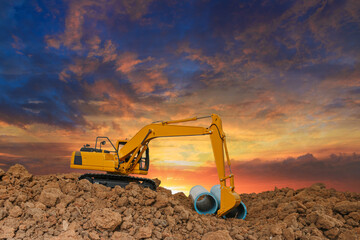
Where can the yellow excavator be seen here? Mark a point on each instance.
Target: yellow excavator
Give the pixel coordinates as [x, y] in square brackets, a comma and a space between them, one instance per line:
[132, 157]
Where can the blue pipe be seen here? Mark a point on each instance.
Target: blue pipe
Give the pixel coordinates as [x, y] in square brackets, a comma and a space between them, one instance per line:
[204, 201]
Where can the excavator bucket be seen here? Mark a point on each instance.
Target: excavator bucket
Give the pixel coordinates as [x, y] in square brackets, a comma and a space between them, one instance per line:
[228, 201]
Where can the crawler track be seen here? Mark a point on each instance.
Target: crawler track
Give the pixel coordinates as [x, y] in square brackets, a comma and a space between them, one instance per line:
[112, 180]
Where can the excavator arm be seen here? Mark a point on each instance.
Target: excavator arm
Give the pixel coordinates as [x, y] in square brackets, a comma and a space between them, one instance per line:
[229, 198]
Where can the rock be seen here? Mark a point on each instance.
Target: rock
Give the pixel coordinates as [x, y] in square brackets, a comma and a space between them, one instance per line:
[189, 226]
[169, 211]
[118, 190]
[123, 201]
[6, 232]
[317, 186]
[346, 207]
[149, 202]
[157, 182]
[2, 173]
[122, 236]
[85, 185]
[132, 186]
[355, 216]
[291, 220]
[100, 188]
[36, 213]
[312, 217]
[290, 193]
[288, 234]
[40, 206]
[348, 235]
[171, 221]
[184, 215]
[105, 219]
[276, 229]
[52, 185]
[326, 222]
[148, 193]
[69, 235]
[15, 212]
[316, 238]
[4, 194]
[218, 235]
[143, 232]
[65, 225]
[332, 233]
[126, 225]
[95, 236]
[50, 196]
[3, 213]
[161, 201]
[20, 172]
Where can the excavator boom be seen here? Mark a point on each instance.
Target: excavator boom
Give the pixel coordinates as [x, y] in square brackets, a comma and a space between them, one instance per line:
[128, 156]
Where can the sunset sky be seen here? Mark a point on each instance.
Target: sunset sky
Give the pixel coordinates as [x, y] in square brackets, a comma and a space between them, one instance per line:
[283, 75]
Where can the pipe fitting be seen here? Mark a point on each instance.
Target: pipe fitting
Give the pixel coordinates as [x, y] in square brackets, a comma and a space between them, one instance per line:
[204, 201]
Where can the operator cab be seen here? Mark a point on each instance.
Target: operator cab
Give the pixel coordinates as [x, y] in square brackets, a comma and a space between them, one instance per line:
[145, 158]
[87, 148]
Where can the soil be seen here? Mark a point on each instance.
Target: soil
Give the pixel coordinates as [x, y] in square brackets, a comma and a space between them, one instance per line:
[62, 207]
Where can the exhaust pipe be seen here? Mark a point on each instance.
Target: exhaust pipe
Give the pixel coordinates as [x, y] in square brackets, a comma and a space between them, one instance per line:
[239, 212]
[204, 201]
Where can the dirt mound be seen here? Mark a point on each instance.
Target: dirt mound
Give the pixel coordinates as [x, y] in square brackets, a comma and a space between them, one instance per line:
[61, 207]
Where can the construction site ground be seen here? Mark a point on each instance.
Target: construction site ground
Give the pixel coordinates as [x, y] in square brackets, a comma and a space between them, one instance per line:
[62, 207]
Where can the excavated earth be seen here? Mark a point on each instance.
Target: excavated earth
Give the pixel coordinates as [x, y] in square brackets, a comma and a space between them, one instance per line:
[62, 207]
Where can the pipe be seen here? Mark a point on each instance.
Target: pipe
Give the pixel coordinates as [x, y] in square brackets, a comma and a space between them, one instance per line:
[239, 212]
[204, 201]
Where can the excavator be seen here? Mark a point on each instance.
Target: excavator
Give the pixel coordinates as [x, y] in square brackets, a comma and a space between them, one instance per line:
[132, 157]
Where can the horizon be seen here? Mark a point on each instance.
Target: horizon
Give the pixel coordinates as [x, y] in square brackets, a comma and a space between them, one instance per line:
[295, 182]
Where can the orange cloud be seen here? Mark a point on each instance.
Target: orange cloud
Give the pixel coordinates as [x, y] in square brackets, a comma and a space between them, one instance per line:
[197, 55]
[338, 171]
[82, 67]
[18, 43]
[146, 80]
[127, 61]
[94, 11]
[108, 53]
[52, 42]
[118, 100]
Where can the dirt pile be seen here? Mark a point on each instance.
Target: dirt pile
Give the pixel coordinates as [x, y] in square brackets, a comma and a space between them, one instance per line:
[61, 207]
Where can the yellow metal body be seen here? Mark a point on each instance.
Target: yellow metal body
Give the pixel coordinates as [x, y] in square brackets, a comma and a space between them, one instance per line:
[126, 159]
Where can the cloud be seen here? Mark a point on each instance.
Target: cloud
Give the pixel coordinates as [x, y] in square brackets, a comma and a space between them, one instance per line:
[127, 61]
[17, 44]
[78, 35]
[149, 79]
[39, 158]
[336, 170]
[24, 112]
